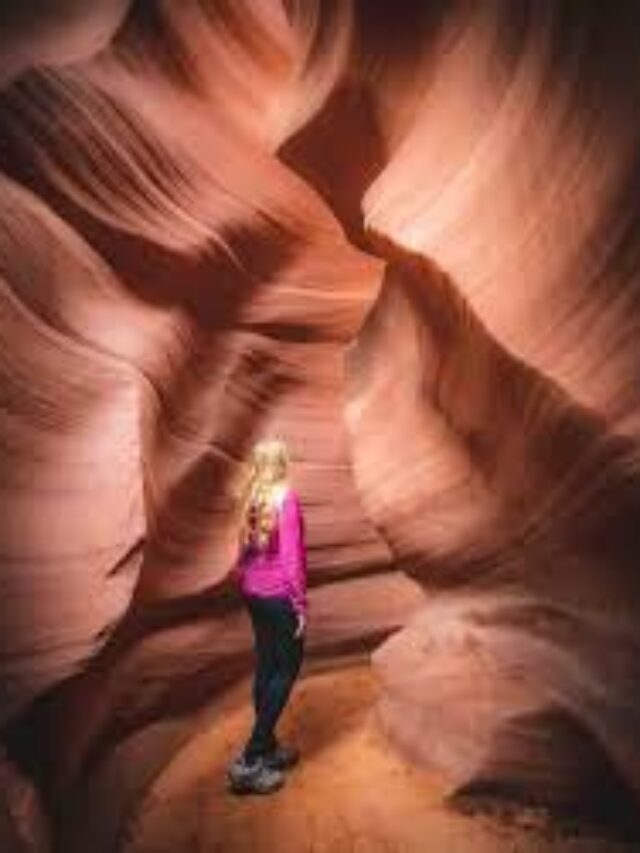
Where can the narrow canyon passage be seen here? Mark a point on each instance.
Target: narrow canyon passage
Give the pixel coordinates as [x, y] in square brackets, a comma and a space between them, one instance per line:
[404, 236]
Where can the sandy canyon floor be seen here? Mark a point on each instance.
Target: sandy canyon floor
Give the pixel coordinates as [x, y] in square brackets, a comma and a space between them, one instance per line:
[351, 793]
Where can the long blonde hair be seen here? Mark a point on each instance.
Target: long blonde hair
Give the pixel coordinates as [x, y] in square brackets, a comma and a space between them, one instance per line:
[267, 481]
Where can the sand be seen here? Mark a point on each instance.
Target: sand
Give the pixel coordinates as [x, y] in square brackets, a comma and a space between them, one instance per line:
[351, 793]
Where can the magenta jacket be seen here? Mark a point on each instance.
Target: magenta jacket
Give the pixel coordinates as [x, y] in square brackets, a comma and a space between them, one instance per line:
[280, 569]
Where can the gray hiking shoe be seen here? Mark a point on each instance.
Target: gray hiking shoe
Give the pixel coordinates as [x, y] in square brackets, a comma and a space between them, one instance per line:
[254, 778]
[282, 757]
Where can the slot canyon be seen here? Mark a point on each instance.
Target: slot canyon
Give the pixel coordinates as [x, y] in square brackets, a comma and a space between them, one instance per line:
[402, 235]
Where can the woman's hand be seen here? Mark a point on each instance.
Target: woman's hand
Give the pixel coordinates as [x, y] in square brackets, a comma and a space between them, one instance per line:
[302, 623]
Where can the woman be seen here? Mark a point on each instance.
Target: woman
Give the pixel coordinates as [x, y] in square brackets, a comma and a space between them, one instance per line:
[271, 574]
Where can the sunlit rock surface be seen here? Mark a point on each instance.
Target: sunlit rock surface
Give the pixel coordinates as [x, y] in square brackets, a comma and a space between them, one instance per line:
[405, 237]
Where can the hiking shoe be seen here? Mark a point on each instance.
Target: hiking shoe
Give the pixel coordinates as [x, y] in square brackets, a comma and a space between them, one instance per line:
[253, 777]
[282, 757]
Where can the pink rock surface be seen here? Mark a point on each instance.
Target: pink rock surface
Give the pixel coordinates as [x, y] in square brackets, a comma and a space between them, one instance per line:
[403, 236]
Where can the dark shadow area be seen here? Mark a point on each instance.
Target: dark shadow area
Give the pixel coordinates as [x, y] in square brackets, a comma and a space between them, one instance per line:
[599, 803]
[339, 153]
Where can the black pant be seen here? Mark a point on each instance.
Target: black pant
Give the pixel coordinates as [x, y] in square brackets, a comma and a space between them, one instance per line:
[279, 658]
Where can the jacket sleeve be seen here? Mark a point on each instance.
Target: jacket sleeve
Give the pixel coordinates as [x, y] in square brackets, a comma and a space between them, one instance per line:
[292, 551]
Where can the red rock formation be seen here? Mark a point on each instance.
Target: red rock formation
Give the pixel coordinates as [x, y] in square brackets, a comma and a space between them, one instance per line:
[198, 203]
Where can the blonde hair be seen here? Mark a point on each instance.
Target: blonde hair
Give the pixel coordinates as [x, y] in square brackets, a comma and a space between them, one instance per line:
[269, 468]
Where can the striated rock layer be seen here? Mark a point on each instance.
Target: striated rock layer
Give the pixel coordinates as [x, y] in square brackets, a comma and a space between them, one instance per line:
[402, 235]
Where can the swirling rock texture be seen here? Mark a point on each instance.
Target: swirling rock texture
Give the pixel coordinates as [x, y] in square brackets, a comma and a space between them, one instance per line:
[404, 235]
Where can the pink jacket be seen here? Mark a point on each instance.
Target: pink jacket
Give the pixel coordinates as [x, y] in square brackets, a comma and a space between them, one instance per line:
[280, 569]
